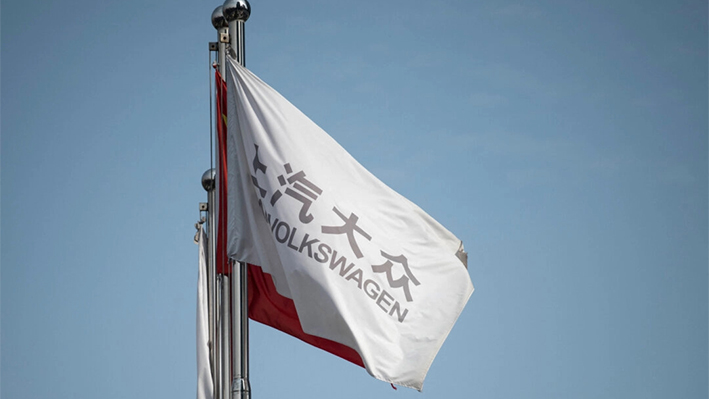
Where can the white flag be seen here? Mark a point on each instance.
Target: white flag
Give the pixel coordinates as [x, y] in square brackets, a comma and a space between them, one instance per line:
[365, 268]
[204, 374]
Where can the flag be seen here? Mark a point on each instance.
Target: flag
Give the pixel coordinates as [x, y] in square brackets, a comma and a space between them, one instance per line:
[204, 374]
[221, 178]
[337, 258]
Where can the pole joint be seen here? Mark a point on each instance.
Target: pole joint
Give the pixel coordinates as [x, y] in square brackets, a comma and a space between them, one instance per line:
[240, 388]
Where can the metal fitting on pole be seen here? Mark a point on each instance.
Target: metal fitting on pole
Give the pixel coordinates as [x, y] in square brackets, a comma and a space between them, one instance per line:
[208, 180]
[222, 26]
[236, 13]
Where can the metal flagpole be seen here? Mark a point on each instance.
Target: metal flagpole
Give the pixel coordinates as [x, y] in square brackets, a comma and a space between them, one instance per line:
[222, 370]
[236, 13]
[219, 312]
[225, 335]
[208, 183]
[222, 27]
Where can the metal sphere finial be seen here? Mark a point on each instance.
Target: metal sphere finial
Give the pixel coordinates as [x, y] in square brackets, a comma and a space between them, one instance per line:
[236, 10]
[208, 179]
[218, 20]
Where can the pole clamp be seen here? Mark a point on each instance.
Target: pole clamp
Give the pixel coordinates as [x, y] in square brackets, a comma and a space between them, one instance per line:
[224, 36]
[240, 388]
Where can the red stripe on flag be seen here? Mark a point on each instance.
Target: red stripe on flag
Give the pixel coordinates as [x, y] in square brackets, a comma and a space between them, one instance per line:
[222, 259]
[269, 307]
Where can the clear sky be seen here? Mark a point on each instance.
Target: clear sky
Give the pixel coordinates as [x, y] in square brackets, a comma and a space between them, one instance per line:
[564, 142]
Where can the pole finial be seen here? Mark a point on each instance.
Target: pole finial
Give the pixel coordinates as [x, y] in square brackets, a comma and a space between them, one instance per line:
[218, 20]
[236, 10]
[208, 179]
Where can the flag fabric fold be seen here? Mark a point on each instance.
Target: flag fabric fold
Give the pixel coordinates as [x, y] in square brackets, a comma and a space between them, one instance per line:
[343, 261]
[205, 389]
[221, 177]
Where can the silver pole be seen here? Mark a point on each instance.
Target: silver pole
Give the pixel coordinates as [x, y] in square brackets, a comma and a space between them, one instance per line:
[208, 183]
[218, 337]
[236, 12]
[222, 27]
[222, 337]
[240, 385]
[226, 337]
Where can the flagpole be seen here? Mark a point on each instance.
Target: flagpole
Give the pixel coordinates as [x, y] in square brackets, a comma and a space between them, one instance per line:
[222, 26]
[222, 337]
[208, 183]
[236, 12]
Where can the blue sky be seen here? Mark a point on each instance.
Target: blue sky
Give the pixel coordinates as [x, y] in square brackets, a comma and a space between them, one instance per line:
[564, 142]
